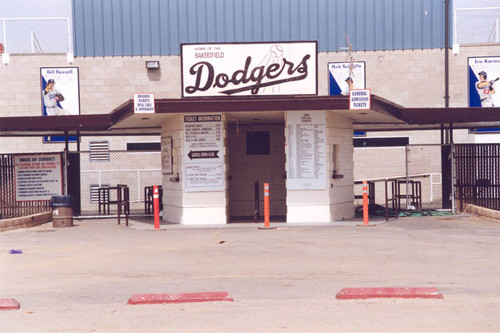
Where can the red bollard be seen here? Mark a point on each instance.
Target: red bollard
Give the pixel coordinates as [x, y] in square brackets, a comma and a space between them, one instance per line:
[156, 206]
[365, 206]
[266, 205]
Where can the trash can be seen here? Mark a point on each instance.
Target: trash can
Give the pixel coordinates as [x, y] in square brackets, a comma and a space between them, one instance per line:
[62, 210]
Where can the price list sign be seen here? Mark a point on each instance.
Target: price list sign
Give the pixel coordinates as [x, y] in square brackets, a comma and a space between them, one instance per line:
[203, 152]
[306, 154]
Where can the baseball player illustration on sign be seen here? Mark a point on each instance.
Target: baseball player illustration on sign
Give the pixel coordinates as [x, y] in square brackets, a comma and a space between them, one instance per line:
[51, 99]
[350, 83]
[485, 89]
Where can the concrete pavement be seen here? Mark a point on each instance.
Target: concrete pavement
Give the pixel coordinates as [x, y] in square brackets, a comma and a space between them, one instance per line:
[79, 279]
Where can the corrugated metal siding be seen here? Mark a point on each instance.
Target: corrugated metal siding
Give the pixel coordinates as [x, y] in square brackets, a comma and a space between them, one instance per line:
[158, 27]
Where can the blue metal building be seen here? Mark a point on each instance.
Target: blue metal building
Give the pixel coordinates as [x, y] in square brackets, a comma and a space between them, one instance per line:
[158, 27]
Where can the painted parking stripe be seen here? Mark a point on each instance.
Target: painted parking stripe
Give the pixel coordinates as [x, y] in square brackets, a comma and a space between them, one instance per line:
[364, 293]
[9, 304]
[180, 298]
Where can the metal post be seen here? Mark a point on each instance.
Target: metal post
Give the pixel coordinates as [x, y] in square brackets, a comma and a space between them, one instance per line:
[452, 156]
[407, 178]
[5, 50]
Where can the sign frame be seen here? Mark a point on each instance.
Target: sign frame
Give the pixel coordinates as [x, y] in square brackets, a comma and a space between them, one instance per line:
[274, 51]
[489, 64]
[167, 157]
[338, 73]
[144, 103]
[318, 162]
[26, 167]
[68, 83]
[203, 152]
[355, 94]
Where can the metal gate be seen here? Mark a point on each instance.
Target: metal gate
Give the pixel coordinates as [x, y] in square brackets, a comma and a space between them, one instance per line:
[9, 206]
[478, 175]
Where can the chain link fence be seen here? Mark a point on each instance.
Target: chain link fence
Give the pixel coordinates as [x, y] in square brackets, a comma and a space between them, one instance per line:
[136, 170]
[428, 171]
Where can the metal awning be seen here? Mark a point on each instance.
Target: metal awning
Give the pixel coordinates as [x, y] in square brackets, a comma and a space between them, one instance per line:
[383, 116]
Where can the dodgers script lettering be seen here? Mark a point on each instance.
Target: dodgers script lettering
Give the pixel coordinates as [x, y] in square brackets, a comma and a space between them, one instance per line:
[247, 78]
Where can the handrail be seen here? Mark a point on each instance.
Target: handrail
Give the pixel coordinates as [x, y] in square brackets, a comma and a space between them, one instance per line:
[5, 55]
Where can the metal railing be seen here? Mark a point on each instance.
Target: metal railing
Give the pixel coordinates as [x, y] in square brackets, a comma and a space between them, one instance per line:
[35, 45]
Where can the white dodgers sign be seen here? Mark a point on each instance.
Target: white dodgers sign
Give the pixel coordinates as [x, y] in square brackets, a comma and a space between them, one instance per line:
[249, 69]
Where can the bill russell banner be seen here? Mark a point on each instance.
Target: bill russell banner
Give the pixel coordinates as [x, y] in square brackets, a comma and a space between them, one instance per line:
[249, 69]
[484, 82]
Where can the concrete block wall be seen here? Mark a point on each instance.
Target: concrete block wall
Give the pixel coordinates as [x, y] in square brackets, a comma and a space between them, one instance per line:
[341, 191]
[189, 208]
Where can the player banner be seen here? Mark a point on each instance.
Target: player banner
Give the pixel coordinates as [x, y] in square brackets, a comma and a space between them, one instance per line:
[484, 74]
[341, 78]
[60, 95]
[60, 92]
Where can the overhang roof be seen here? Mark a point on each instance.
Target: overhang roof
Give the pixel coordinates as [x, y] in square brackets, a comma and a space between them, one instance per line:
[383, 116]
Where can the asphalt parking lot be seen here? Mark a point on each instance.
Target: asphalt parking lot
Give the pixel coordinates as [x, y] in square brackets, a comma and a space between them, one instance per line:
[79, 279]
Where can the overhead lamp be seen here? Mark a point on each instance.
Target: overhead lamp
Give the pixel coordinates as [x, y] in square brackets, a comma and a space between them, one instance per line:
[153, 64]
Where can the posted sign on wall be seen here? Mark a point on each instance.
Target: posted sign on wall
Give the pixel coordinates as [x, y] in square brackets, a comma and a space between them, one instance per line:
[203, 152]
[38, 177]
[306, 154]
[253, 69]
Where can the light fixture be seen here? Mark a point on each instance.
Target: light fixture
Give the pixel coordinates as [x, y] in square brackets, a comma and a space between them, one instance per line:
[153, 64]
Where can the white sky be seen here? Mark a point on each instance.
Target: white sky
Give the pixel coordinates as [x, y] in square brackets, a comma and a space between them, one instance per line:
[473, 27]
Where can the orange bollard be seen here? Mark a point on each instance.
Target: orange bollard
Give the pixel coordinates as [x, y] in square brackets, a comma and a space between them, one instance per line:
[266, 205]
[365, 202]
[156, 206]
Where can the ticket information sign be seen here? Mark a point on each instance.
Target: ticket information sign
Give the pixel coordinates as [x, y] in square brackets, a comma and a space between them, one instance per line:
[38, 177]
[306, 150]
[203, 152]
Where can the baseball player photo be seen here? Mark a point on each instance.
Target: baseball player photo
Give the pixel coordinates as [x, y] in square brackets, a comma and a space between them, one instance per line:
[484, 72]
[349, 84]
[52, 99]
[485, 89]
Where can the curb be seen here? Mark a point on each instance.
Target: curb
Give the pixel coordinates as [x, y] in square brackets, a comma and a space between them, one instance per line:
[9, 304]
[179, 298]
[28, 221]
[365, 293]
[481, 211]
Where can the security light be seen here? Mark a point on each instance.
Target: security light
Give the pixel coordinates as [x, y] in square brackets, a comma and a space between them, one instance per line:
[152, 64]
